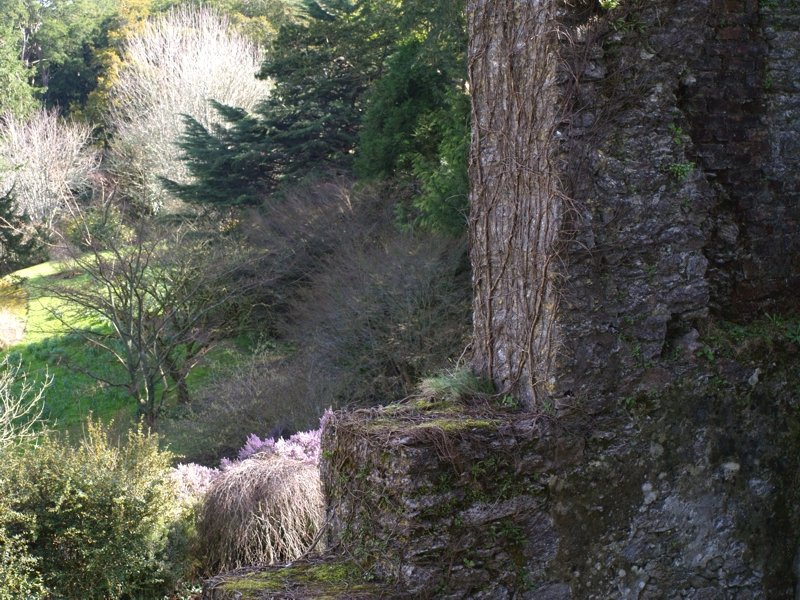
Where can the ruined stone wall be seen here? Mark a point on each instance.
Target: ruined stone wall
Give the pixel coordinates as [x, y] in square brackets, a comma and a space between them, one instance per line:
[689, 492]
[740, 96]
[681, 158]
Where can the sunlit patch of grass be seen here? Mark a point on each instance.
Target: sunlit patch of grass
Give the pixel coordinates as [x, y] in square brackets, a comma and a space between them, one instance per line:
[13, 305]
[49, 347]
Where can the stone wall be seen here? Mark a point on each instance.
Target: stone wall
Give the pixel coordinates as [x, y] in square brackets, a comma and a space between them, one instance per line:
[688, 492]
[680, 155]
[740, 95]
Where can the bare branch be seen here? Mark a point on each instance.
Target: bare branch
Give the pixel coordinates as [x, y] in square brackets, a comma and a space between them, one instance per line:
[155, 303]
[173, 67]
[21, 404]
[47, 161]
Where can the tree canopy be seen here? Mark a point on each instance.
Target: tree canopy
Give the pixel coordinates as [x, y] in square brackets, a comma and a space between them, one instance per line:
[365, 85]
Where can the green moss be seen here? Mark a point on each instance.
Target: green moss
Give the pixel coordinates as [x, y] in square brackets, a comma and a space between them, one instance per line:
[422, 405]
[318, 580]
[456, 424]
[413, 421]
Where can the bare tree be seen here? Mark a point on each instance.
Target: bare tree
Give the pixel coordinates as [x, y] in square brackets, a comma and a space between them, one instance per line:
[47, 161]
[173, 67]
[156, 301]
[21, 404]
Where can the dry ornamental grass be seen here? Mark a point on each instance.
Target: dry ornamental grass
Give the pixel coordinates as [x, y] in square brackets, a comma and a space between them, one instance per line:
[260, 511]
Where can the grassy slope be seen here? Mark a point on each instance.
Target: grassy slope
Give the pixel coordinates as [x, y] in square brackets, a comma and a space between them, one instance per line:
[48, 350]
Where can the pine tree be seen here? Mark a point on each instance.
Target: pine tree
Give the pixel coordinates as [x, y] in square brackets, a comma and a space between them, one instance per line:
[230, 164]
[20, 243]
[321, 69]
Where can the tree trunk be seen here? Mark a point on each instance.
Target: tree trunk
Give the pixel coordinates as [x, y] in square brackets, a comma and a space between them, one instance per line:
[178, 375]
[515, 205]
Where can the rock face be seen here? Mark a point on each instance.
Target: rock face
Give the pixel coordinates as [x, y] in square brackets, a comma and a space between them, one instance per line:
[443, 497]
[680, 156]
[688, 492]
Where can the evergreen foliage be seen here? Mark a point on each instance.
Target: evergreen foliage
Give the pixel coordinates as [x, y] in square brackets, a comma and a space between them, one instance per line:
[411, 87]
[19, 577]
[20, 242]
[101, 516]
[443, 202]
[383, 82]
[58, 40]
[321, 68]
[416, 124]
[230, 163]
[16, 92]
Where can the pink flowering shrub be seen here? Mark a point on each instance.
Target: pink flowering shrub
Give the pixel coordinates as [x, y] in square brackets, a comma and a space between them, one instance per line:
[192, 481]
[303, 446]
[254, 445]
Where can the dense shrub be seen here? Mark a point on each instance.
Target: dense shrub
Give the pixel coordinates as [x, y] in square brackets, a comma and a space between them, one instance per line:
[89, 228]
[411, 88]
[442, 203]
[366, 311]
[104, 516]
[19, 574]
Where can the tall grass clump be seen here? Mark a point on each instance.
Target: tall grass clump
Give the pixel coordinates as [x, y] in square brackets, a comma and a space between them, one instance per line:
[454, 385]
[104, 517]
[260, 511]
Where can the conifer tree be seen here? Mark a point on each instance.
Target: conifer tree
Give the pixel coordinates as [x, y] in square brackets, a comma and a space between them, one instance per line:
[20, 242]
[230, 163]
[321, 68]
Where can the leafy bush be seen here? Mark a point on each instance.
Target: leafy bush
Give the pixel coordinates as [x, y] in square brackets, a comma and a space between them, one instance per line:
[88, 229]
[19, 575]
[105, 516]
[442, 204]
[412, 87]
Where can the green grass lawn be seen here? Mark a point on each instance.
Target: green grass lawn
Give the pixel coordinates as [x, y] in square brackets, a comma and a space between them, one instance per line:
[48, 350]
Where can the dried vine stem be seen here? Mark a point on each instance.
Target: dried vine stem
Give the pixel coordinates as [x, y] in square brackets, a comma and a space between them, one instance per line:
[517, 209]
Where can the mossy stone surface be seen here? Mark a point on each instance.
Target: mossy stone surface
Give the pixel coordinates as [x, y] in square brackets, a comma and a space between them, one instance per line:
[321, 579]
